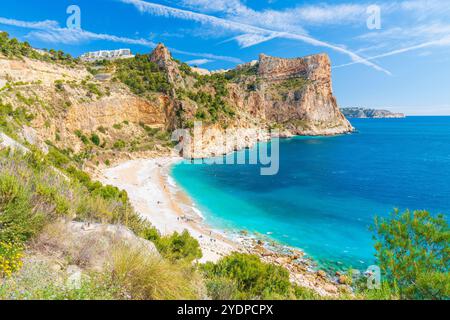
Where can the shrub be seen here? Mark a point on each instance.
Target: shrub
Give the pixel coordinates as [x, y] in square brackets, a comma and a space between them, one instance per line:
[95, 139]
[10, 258]
[119, 144]
[253, 278]
[412, 249]
[178, 247]
[19, 219]
[101, 129]
[92, 88]
[59, 85]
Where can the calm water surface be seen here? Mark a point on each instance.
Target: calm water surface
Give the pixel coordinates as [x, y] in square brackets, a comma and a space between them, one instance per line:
[329, 189]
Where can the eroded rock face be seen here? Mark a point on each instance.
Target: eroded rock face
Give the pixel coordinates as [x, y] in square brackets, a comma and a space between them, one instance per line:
[315, 67]
[163, 58]
[298, 93]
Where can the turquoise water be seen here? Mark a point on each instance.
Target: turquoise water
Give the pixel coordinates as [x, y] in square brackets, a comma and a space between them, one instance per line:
[329, 189]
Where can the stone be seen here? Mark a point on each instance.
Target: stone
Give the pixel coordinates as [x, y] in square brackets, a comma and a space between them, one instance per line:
[343, 279]
[321, 274]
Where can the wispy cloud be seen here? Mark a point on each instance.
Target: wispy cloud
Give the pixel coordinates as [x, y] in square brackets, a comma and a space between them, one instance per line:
[199, 62]
[247, 29]
[47, 24]
[74, 36]
[50, 31]
[445, 41]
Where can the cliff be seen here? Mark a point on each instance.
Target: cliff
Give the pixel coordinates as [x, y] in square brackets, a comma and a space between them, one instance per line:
[370, 113]
[307, 105]
[132, 108]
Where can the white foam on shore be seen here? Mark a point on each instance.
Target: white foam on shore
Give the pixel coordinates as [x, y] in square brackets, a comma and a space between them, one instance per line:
[198, 212]
[171, 181]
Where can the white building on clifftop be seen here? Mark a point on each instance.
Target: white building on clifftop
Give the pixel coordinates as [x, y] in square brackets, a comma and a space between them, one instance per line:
[106, 55]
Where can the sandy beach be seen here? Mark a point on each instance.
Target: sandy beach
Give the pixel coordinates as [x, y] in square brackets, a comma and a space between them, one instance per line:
[156, 197]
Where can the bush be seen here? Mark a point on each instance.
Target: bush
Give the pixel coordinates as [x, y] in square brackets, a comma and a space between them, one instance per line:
[178, 247]
[95, 139]
[413, 253]
[20, 219]
[253, 279]
[119, 144]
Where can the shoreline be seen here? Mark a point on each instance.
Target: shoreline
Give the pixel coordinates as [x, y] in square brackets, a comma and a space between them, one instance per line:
[157, 198]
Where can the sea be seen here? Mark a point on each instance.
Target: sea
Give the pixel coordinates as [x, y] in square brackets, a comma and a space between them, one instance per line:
[329, 189]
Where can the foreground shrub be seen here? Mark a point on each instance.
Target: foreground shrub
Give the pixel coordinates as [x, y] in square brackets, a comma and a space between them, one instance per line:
[413, 251]
[251, 278]
[19, 219]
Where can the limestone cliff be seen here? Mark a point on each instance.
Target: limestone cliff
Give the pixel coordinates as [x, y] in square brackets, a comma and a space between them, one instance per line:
[130, 113]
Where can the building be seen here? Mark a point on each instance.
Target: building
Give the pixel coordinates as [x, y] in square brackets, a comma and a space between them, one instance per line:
[106, 55]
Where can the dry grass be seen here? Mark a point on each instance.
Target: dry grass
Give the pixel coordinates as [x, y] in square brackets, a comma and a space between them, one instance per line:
[147, 277]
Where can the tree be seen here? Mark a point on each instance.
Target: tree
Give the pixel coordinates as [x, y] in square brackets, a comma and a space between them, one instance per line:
[251, 278]
[179, 247]
[413, 253]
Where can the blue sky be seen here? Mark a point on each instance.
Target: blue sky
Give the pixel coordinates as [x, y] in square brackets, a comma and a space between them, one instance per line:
[404, 65]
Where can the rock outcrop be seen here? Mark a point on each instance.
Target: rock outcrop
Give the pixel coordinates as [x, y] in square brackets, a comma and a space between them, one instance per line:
[307, 105]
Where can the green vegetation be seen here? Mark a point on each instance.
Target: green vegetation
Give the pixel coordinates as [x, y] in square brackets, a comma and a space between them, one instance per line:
[244, 276]
[117, 126]
[413, 250]
[119, 144]
[178, 247]
[10, 258]
[82, 137]
[95, 139]
[239, 73]
[210, 96]
[93, 89]
[283, 88]
[12, 48]
[141, 75]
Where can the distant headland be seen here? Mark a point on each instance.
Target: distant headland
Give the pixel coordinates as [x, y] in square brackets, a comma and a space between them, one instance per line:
[370, 113]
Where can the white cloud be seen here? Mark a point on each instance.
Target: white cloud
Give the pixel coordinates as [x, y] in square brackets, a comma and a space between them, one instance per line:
[445, 41]
[170, 12]
[199, 62]
[49, 31]
[47, 24]
[73, 36]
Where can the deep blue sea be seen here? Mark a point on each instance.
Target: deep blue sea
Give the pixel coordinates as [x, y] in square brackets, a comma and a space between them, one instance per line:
[329, 189]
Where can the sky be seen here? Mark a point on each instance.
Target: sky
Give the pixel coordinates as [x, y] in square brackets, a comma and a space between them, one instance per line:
[385, 54]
